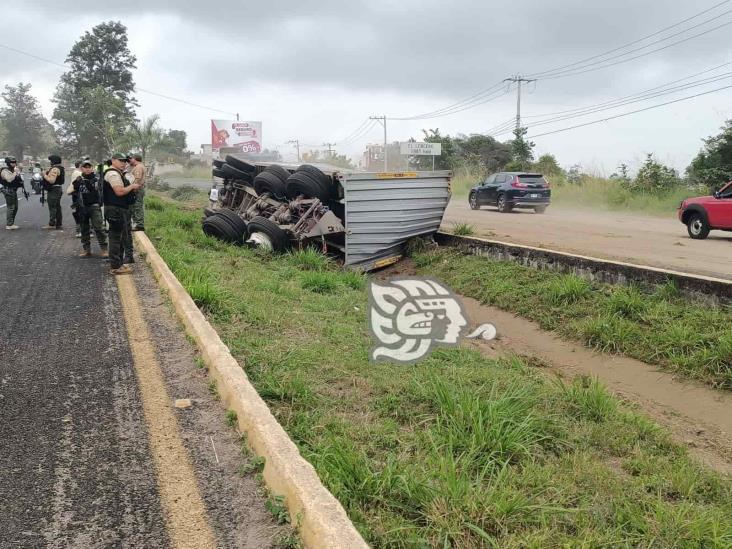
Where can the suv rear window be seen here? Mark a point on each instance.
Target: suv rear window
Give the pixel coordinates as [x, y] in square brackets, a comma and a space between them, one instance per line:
[533, 179]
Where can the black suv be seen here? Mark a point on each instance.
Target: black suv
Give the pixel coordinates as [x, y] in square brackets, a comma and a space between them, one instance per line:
[509, 190]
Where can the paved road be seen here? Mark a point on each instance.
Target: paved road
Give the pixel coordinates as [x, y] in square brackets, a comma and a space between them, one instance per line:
[654, 241]
[75, 464]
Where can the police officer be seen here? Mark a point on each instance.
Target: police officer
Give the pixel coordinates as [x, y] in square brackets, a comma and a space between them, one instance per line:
[86, 193]
[137, 210]
[53, 180]
[116, 196]
[11, 181]
[75, 206]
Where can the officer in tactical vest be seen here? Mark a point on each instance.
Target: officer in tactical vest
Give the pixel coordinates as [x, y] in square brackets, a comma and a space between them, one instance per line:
[117, 196]
[53, 180]
[11, 181]
[87, 196]
[75, 206]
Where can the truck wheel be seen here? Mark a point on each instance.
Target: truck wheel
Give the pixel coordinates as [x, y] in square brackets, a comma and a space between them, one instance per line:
[539, 209]
[218, 227]
[697, 226]
[268, 182]
[503, 205]
[218, 172]
[236, 222]
[301, 183]
[239, 164]
[235, 173]
[267, 235]
[316, 174]
[279, 171]
[473, 201]
[218, 163]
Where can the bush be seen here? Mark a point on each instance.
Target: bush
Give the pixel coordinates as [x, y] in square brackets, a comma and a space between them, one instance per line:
[183, 193]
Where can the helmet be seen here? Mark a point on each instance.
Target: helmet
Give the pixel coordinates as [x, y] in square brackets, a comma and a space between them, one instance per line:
[10, 160]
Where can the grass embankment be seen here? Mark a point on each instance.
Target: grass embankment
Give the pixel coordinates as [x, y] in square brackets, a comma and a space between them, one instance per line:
[594, 193]
[191, 172]
[659, 328]
[457, 451]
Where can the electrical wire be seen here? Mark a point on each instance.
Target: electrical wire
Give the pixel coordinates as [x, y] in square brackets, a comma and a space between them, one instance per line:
[482, 101]
[634, 42]
[630, 113]
[433, 114]
[143, 90]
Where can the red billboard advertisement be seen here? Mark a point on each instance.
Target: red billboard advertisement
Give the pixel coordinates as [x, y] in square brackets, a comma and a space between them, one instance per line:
[245, 136]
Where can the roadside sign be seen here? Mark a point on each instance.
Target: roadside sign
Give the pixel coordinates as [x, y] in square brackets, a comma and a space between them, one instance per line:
[412, 148]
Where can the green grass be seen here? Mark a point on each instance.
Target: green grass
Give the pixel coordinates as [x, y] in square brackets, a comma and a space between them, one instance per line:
[657, 327]
[184, 192]
[463, 229]
[458, 450]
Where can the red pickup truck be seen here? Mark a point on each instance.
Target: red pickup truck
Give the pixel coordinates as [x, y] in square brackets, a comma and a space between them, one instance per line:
[704, 213]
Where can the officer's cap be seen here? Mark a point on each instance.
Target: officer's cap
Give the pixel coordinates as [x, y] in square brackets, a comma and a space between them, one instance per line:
[86, 162]
[119, 156]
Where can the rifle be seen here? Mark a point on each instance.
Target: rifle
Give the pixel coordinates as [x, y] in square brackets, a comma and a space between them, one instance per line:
[43, 196]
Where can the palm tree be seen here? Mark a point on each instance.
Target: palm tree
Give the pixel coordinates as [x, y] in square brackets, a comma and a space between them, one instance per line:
[145, 134]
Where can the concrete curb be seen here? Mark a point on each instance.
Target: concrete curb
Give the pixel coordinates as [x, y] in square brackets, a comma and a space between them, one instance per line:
[705, 289]
[322, 520]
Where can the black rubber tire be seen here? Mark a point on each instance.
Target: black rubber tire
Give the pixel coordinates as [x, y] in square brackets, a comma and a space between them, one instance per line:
[473, 201]
[267, 182]
[239, 164]
[316, 174]
[218, 172]
[235, 174]
[219, 227]
[234, 220]
[539, 209]
[280, 241]
[208, 212]
[218, 163]
[697, 226]
[302, 183]
[503, 206]
[279, 171]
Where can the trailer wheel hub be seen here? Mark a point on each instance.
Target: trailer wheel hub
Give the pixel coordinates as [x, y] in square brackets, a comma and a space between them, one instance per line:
[260, 240]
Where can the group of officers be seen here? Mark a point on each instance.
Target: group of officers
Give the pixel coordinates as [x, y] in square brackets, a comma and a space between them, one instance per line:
[112, 192]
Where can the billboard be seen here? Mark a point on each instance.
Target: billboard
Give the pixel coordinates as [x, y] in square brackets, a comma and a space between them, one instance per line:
[245, 136]
[413, 148]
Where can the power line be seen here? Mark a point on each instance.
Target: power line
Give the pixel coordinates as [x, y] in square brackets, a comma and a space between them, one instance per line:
[143, 90]
[631, 112]
[624, 46]
[591, 68]
[473, 98]
[360, 134]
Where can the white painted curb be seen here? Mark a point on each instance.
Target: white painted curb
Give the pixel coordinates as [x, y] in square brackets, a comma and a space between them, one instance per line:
[322, 520]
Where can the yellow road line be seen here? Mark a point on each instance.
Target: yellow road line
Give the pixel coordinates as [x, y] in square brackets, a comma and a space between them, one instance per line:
[185, 513]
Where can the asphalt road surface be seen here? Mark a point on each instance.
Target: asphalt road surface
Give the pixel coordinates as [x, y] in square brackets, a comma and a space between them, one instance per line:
[635, 238]
[76, 468]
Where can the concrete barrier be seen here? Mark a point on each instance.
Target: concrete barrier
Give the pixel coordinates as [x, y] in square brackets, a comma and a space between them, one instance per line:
[700, 288]
[322, 521]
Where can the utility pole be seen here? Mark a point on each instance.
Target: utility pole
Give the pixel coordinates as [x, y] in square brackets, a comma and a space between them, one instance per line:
[382, 120]
[518, 79]
[330, 149]
[295, 142]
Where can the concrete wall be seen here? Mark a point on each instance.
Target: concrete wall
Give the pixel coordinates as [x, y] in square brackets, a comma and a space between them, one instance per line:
[699, 288]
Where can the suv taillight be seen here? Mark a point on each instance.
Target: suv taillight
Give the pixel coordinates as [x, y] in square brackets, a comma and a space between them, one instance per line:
[516, 183]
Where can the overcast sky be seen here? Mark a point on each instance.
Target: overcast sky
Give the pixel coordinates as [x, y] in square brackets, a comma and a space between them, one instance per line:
[315, 72]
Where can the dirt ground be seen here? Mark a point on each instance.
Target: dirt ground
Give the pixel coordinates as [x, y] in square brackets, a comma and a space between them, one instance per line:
[645, 240]
[697, 416]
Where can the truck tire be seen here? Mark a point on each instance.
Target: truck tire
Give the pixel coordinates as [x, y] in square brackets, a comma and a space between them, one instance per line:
[235, 174]
[539, 209]
[697, 226]
[217, 227]
[275, 237]
[239, 164]
[316, 174]
[279, 171]
[208, 212]
[236, 222]
[218, 163]
[473, 201]
[268, 182]
[300, 183]
[218, 172]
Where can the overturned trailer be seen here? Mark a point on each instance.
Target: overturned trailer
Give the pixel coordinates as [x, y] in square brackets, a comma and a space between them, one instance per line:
[367, 218]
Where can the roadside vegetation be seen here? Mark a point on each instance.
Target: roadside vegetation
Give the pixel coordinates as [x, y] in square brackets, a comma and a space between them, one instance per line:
[657, 327]
[458, 450]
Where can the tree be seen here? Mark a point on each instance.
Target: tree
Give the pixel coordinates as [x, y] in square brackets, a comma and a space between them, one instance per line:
[24, 126]
[339, 160]
[713, 165]
[94, 99]
[522, 150]
[654, 177]
[145, 135]
[548, 165]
